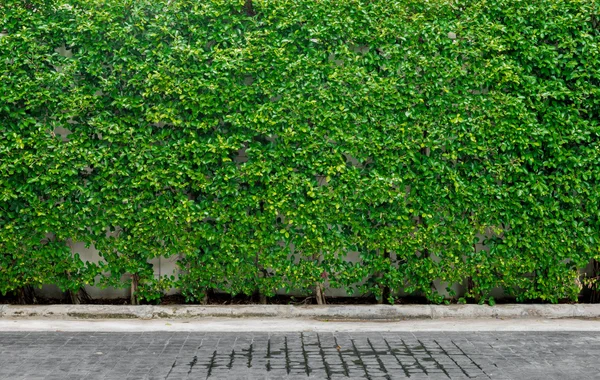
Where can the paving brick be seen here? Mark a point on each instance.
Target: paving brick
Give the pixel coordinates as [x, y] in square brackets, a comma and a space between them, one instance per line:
[291, 356]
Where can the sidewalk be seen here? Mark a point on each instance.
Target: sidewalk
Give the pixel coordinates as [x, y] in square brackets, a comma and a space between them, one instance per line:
[247, 355]
[273, 325]
[459, 342]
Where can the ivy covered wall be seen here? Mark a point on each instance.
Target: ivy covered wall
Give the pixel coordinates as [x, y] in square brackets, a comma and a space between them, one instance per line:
[262, 142]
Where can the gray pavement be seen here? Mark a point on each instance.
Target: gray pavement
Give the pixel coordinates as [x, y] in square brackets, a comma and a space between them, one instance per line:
[330, 355]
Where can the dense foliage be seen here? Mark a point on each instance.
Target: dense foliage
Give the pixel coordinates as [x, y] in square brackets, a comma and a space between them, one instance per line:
[264, 142]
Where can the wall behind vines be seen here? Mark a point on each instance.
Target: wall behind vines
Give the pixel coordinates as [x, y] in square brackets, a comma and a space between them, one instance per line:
[262, 142]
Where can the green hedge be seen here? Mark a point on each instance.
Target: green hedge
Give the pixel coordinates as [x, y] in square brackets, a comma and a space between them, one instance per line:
[264, 141]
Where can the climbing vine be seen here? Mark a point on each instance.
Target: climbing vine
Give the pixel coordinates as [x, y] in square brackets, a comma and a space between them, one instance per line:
[377, 147]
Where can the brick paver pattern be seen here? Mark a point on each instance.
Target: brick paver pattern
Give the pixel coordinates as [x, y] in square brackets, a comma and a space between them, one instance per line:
[308, 355]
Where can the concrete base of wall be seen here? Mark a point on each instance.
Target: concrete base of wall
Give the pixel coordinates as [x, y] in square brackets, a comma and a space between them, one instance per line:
[343, 312]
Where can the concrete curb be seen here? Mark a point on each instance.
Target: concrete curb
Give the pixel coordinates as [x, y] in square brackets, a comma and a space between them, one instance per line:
[337, 312]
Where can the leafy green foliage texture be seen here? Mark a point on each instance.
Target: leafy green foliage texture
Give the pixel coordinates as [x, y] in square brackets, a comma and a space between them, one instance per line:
[364, 145]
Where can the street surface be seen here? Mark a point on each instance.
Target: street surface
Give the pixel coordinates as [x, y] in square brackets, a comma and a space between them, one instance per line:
[171, 355]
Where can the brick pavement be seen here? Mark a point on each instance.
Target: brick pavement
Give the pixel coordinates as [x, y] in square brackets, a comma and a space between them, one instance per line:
[332, 356]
